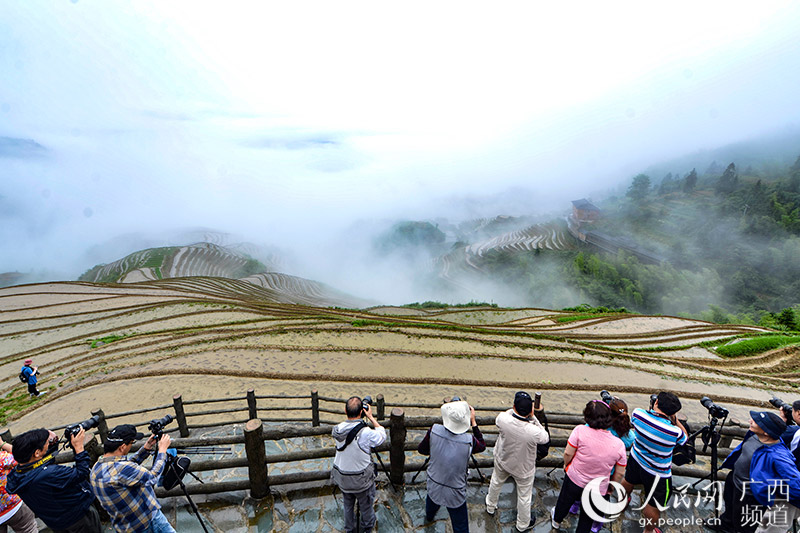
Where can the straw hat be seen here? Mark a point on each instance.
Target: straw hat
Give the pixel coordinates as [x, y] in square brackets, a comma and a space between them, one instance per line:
[456, 416]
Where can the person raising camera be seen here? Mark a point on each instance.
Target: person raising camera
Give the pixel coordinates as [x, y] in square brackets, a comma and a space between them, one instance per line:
[353, 470]
[450, 446]
[59, 495]
[515, 456]
[125, 488]
[657, 432]
[592, 452]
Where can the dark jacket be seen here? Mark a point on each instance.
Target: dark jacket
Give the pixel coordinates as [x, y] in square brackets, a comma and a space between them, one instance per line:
[769, 466]
[59, 495]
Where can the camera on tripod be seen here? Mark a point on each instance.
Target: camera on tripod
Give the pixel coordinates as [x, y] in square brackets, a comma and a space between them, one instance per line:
[156, 426]
[714, 410]
[74, 429]
[785, 407]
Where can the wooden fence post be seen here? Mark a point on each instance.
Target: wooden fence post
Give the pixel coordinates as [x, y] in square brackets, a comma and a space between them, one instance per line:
[102, 426]
[6, 435]
[314, 408]
[397, 454]
[93, 448]
[256, 458]
[180, 415]
[381, 405]
[252, 407]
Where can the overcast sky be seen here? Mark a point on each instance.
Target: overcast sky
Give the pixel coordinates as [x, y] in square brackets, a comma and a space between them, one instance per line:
[282, 121]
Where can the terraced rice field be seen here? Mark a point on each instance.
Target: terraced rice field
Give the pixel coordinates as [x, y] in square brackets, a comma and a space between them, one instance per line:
[208, 337]
[201, 259]
[460, 264]
[551, 236]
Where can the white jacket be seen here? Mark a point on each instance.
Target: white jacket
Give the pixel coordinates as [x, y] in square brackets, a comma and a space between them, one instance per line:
[515, 451]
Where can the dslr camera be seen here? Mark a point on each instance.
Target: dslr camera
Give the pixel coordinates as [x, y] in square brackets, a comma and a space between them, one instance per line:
[606, 397]
[714, 410]
[74, 429]
[156, 426]
[366, 402]
[783, 406]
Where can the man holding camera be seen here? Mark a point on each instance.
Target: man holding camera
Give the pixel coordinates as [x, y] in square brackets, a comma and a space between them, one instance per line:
[59, 495]
[353, 470]
[125, 488]
[31, 373]
[762, 474]
[658, 431]
[515, 456]
[450, 446]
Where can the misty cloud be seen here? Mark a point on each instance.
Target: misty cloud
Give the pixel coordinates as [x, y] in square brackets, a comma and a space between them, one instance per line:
[283, 124]
[298, 142]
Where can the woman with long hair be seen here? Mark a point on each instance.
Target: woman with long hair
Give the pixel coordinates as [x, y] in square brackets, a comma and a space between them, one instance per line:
[592, 452]
[621, 424]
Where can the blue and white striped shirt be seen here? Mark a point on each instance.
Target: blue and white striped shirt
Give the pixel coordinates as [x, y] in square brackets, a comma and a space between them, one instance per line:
[655, 439]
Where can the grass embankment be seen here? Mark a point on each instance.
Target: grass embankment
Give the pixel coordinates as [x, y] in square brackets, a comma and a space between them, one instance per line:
[585, 312]
[757, 345]
[14, 402]
[106, 340]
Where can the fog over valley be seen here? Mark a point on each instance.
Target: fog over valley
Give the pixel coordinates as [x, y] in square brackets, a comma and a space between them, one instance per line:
[427, 152]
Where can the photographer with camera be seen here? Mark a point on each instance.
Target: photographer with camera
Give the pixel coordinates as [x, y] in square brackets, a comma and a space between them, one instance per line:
[353, 470]
[125, 488]
[59, 495]
[760, 466]
[515, 456]
[787, 413]
[657, 432]
[450, 447]
[30, 373]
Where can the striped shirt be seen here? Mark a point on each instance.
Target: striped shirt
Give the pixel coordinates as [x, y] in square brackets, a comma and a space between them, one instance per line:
[126, 490]
[655, 439]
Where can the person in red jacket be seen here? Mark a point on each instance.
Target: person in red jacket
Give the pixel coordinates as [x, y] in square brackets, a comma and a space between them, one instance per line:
[13, 511]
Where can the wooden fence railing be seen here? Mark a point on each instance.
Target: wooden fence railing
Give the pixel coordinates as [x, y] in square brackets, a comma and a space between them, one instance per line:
[255, 434]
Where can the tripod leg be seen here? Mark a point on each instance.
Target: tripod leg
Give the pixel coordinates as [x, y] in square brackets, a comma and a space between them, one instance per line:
[193, 507]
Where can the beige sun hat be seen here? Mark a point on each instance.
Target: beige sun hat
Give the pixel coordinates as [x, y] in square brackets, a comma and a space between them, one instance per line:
[456, 416]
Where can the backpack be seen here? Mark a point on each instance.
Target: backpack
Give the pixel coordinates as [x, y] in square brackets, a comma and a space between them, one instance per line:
[542, 450]
[686, 453]
[23, 377]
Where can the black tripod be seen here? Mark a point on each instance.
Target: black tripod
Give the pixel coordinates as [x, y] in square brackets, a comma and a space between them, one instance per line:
[710, 435]
[173, 475]
[383, 466]
[178, 473]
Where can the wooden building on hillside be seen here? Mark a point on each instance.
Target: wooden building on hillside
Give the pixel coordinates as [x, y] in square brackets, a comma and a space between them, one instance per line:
[584, 211]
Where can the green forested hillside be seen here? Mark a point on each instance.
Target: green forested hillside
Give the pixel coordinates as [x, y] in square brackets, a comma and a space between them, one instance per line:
[730, 240]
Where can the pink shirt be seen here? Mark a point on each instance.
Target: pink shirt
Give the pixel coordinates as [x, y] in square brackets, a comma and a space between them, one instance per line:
[597, 452]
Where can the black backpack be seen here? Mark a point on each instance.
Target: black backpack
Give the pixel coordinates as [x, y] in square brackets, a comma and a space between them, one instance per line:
[542, 450]
[685, 454]
[23, 377]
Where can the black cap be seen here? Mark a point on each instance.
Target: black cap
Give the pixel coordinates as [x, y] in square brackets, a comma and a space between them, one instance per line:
[772, 424]
[124, 433]
[523, 403]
